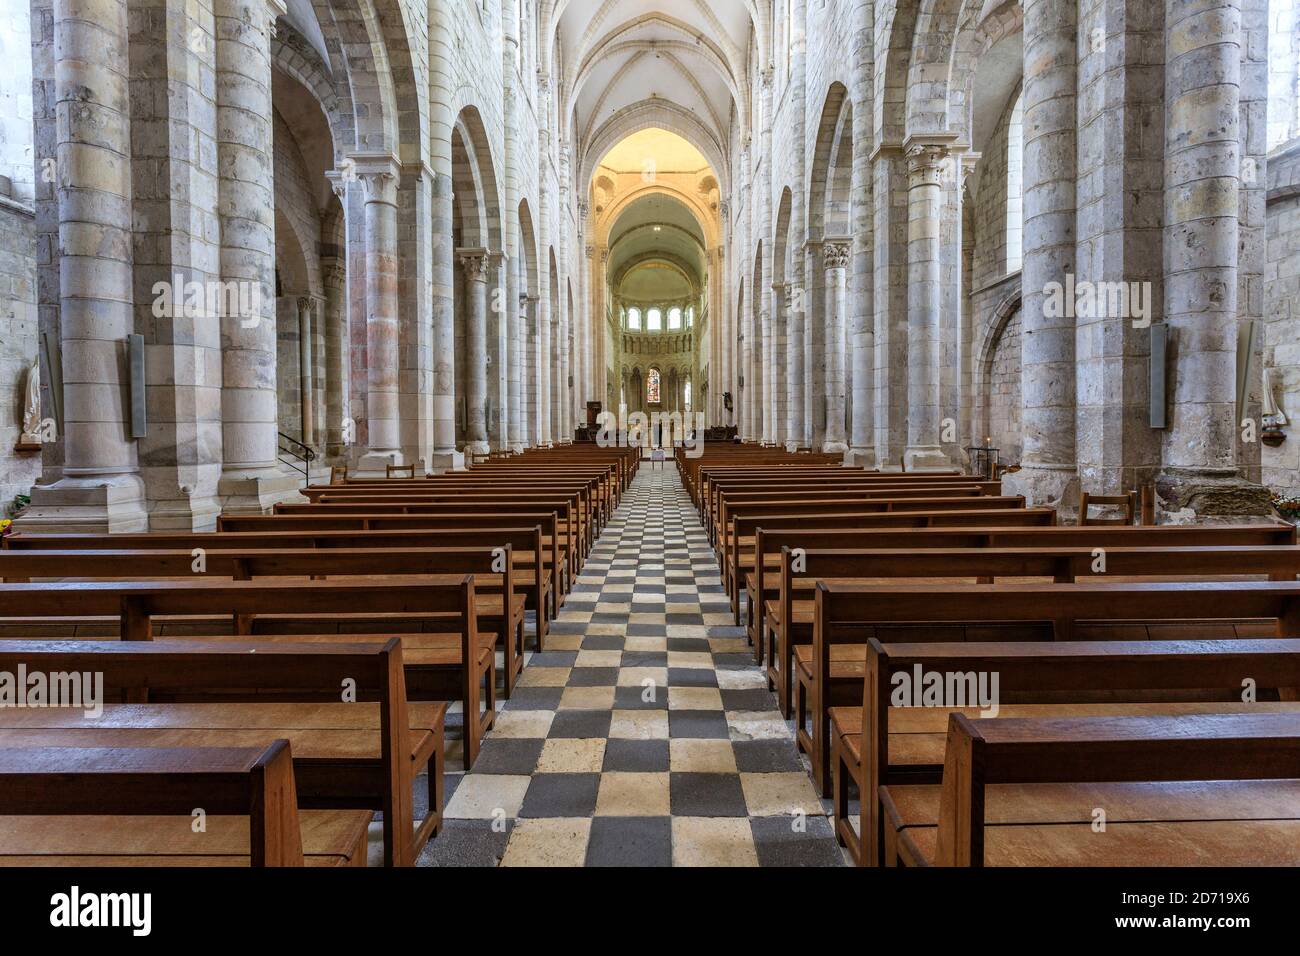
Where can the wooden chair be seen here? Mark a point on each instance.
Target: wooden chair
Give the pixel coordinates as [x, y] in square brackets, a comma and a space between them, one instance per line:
[1126, 501]
[399, 471]
[338, 474]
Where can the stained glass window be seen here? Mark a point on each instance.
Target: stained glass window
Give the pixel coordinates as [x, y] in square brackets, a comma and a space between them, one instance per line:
[652, 387]
[686, 394]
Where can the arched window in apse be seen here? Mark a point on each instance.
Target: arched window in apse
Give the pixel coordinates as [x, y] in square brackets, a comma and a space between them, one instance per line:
[652, 387]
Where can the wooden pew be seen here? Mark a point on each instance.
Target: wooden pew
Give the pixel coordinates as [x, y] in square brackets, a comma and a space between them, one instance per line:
[135, 805]
[555, 557]
[788, 619]
[886, 741]
[498, 506]
[812, 534]
[739, 557]
[847, 615]
[440, 665]
[988, 763]
[493, 610]
[370, 768]
[524, 544]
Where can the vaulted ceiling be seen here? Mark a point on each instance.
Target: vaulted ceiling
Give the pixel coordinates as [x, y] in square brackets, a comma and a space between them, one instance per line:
[619, 55]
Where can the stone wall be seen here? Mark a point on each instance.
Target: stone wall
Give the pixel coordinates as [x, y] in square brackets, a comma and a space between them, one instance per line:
[1281, 465]
[19, 340]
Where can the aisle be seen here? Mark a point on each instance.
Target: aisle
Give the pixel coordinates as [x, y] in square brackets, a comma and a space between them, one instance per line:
[644, 734]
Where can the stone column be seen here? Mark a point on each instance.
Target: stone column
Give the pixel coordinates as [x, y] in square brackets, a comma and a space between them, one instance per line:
[516, 339]
[1202, 242]
[773, 403]
[305, 379]
[498, 360]
[336, 351]
[861, 310]
[101, 489]
[795, 311]
[251, 480]
[925, 197]
[1048, 394]
[379, 189]
[529, 305]
[511, 93]
[891, 299]
[835, 258]
[474, 262]
[441, 84]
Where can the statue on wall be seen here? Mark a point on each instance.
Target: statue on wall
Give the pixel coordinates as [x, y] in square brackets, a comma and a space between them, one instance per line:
[31, 434]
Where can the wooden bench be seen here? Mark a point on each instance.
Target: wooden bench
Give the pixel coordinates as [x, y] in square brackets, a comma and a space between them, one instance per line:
[847, 615]
[888, 741]
[554, 553]
[441, 665]
[523, 544]
[788, 618]
[740, 542]
[134, 807]
[493, 569]
[361, 755]
[763, 577]
[994, 812]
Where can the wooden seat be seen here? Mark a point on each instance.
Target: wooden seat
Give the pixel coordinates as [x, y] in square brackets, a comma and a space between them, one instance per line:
[120, 806]
[1126, 503]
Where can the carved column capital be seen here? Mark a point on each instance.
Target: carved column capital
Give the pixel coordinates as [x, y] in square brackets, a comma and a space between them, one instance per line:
[836, 253]
[475, 264]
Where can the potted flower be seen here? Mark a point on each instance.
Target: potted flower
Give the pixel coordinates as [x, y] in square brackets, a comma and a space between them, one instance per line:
[1288, 506]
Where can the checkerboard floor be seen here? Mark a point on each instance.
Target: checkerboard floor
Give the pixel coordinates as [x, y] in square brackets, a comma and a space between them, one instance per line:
[644, 735]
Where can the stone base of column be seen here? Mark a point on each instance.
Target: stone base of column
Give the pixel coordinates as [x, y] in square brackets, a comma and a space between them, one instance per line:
[860, 458]
[791, 447]
[516, 448]
[1047, 486]
[926, 458]
[1210, 497]
[182, 514]
[478, 448]
[440, 462]
[374, 464]
[835, 447]
[257, 494]
[86, 506]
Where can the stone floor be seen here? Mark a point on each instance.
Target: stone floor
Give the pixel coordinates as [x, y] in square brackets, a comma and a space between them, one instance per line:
[644, 735]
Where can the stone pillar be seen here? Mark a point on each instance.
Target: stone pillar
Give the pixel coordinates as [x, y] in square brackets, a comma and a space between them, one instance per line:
[1202, 165]
[529, 305]
[336, 364]
[861, 309]
[475, 262]
[498, 359]
[891, 301]
[511, 325]
[516, 341]
[835, 257]
[383, 352]
[306, 383]
[925, 197]
[773, 397]
[445, 457]
[1048, 395]
[796, 307]
[101, 489]
[251, 480]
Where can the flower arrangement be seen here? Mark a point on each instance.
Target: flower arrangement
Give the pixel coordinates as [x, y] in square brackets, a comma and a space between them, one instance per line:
[5, 525]
[1288, 506]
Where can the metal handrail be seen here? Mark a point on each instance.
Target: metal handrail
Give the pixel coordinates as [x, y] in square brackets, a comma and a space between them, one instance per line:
[300, 450]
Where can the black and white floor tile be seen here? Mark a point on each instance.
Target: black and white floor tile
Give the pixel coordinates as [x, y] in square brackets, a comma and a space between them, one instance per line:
[644, 735]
